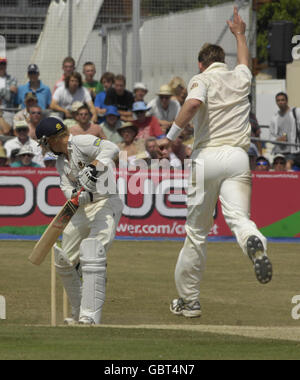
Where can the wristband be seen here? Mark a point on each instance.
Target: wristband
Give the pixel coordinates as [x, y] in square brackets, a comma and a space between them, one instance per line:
[174, 132]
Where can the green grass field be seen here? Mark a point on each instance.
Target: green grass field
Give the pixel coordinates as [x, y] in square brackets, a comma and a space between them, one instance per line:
[137, 323]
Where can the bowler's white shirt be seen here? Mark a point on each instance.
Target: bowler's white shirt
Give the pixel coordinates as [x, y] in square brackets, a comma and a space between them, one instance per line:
[224, 114]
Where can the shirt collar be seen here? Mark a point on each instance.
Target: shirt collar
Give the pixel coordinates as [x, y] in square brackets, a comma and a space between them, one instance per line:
[217, 66]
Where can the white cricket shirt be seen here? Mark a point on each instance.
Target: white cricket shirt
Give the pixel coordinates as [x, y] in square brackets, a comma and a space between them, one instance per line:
[224, 114]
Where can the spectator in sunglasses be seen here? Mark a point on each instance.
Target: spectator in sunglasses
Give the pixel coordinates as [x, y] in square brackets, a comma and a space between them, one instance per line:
[279, 163]
[262, 164]
[148, 126]
[164, 108]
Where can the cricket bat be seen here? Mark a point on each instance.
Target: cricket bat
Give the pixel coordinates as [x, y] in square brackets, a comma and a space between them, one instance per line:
[53, 232]
[2, 48]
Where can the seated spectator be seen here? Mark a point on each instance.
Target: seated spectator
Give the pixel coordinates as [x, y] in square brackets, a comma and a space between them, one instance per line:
[22, 138]
[165, 109]
[107, 80]
[178, 89]
[85, 126]
[50, 160]
[30, 100]
[37, 87]
[24, 158]
[73, 91]
[121, 98]
[167, 157]
[74, 110]
[8, 91]
[111, 125]
[3, 158]
[68, 67]
[130, 147]
[148, 126]
[5, 127]
[279, 163]
[152, 148]
[139, 92]
[94, 87]
[262, 164]
[35, 117]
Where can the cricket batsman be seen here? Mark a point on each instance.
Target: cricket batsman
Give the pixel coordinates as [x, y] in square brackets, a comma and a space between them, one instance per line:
[82, 160]
[222, 140]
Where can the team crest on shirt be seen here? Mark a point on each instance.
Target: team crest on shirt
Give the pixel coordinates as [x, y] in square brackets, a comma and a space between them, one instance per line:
[194, 85]
[97, 142]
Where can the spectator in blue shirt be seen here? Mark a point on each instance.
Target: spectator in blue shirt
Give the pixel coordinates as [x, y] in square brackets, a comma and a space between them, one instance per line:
[36, 86]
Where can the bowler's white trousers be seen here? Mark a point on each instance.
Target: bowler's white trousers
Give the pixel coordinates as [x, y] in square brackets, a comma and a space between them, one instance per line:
[226, 176]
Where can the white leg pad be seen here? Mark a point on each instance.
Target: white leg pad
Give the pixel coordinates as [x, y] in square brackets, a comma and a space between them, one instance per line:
[70, 279]
[93, 265]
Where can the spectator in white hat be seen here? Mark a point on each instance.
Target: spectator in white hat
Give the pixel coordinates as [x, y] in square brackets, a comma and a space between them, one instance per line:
[21, 130]
[139, 92]
[164, 108]
[3, 158]
[25, 158]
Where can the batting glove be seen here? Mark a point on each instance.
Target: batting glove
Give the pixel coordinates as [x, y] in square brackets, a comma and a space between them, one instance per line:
[88, 178]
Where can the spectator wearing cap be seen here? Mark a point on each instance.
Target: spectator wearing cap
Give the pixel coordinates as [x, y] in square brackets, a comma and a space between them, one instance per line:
[107, 80]
[30, 100]
[148, 126]
[70, 122]
[21, 130]
[279, 163]
[139, 92]
[121, 98]
[262, 164]
[130, 147]
[73, 91]
[8, 92]
[37, 87]
[164, 108]
[84, 125]
[3, 157]
[25, 158]
[111, 125]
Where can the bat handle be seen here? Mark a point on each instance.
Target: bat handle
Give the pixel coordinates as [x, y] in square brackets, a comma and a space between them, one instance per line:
[75, 200]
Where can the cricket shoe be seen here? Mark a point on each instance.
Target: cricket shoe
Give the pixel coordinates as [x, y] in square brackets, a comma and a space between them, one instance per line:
[188, 310]
[262, 264]
[70, 322]
[86, 321]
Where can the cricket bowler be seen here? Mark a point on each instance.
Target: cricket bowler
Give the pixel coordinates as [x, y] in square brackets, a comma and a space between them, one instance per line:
[222, 140]
[81, 161]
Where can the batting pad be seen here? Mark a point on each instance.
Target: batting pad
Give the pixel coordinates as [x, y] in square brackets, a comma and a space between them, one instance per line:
[93, 264]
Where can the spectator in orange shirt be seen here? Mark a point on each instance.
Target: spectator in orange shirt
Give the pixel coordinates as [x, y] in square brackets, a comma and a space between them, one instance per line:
[148, 126]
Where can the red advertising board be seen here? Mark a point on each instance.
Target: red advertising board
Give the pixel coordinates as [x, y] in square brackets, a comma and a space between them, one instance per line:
[29, 198]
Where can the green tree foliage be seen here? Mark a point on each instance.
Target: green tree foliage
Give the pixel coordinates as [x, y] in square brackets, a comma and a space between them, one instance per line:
[288, 10]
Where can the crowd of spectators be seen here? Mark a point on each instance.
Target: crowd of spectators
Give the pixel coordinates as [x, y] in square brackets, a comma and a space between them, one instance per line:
[107, 109]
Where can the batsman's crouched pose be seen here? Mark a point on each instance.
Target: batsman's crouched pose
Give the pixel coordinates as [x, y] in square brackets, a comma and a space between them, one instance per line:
[222, 140]
[91, 230]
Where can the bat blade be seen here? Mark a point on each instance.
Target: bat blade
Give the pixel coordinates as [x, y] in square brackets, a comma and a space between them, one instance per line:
[52, 233]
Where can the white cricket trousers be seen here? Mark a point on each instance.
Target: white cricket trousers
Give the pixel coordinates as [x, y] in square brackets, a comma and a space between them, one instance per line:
[226, 175]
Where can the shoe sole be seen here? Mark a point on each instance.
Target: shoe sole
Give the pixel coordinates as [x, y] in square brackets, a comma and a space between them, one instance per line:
[262, 265]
